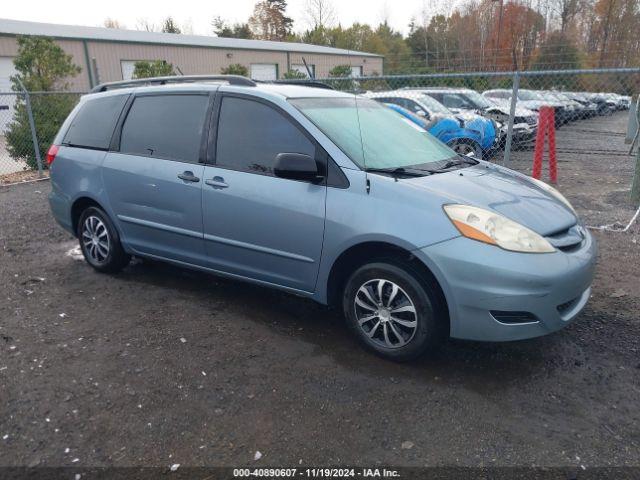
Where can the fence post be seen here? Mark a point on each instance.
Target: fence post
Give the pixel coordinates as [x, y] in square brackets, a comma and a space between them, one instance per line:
[512, 115]
[635, 185]
[32, 126]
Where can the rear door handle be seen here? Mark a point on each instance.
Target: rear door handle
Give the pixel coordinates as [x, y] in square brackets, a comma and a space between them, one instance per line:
[188, 177]
[216, 182]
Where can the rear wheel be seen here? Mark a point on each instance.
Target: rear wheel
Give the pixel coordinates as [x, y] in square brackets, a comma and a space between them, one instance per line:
[393, 310]
[100, 243]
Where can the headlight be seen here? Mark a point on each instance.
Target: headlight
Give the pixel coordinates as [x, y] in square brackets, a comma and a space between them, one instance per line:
[492, 228]
[555, 193]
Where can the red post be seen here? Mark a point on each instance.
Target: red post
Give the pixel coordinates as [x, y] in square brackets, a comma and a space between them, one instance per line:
[539, 147]
[546, 125]
[553, 165]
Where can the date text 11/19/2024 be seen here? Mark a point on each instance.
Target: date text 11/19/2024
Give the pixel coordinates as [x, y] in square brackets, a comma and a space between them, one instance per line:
[316, 472]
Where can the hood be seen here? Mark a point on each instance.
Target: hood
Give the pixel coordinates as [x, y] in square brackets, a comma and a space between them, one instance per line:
[503, 191]
[468, 115]
[505, 109]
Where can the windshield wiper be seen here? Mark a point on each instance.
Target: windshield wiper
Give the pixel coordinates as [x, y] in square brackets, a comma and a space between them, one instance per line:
[400, 171]
[460, 160]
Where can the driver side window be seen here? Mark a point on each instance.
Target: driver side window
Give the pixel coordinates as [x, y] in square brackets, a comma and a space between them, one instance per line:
[251, 135]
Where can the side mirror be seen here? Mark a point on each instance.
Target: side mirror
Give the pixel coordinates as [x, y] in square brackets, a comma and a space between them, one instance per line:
[422, 113]
[296, 166]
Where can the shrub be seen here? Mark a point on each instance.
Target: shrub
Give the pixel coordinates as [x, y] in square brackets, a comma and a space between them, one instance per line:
[343, 71]
[295, 75]
[235, 69]
[153, 68]
[42, 66]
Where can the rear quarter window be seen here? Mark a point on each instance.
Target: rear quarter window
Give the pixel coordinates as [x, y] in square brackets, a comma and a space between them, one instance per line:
[165, 126]
[94, 123]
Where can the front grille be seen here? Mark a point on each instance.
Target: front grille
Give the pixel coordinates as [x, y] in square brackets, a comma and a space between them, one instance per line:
[513, 318]
[567, 240]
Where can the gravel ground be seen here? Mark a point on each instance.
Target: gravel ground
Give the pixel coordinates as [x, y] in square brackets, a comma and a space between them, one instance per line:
[158, 365]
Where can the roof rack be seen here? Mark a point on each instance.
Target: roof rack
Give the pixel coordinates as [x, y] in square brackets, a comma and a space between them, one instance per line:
[230, 79]
[304, 83]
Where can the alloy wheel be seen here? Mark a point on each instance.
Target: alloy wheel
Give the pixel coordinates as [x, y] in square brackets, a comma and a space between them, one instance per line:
[385, 313]
[95, 239]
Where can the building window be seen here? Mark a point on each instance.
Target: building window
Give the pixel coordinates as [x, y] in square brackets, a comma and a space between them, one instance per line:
[299, 67]
[264, 71]
[128, 67]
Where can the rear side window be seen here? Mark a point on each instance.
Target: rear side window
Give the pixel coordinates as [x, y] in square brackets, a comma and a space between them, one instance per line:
[165, 126]
[251, 135]
[93, 125]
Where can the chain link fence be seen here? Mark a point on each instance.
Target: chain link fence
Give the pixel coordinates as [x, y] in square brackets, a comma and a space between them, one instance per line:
[493, 115]
[28, 125]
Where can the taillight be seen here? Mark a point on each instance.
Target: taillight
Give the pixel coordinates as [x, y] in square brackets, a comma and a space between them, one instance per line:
[51, 154]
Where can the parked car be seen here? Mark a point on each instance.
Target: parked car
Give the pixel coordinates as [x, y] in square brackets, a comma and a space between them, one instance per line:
[569, 110]
[461, 100]
[429, 108]
[590, 108]
[605, 105]
[461, 140]
[302, 189]
[532, 100]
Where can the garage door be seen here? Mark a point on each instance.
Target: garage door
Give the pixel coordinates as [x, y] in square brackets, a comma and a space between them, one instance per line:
[127, 67]
[264, 71]
[6, 101]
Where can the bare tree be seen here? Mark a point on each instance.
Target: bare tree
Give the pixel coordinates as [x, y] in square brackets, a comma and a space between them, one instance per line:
[113, 23]
[146, 25]
[170, 26]
[269, 20]
[565, 11]
[320, 13]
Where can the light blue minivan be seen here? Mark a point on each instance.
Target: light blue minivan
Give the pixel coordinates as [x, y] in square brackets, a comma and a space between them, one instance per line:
[323, 194]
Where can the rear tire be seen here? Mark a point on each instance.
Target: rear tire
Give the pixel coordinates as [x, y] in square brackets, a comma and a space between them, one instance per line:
[393, 310]
[100, 242]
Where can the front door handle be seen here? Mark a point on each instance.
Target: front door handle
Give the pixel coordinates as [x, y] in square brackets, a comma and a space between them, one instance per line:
[216, 182]
[188, 176]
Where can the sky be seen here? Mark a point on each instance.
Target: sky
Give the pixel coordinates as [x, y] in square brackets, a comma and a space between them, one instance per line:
[198, 14]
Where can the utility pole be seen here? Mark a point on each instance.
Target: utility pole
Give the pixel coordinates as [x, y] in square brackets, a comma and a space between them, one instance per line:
[495, 58]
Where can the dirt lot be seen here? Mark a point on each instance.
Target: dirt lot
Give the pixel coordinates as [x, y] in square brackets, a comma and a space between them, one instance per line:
[158, 366]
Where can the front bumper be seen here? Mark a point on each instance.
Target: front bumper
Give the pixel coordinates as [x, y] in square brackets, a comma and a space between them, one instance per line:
[478, 279]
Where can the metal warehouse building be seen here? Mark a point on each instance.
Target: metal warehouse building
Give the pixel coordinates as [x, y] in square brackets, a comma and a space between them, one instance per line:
[107, 54]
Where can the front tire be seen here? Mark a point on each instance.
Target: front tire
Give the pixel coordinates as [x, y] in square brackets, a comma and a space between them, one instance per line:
[100, 243]
[393, 310]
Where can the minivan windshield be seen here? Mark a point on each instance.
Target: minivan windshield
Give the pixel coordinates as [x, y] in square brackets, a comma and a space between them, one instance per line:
[373, 135]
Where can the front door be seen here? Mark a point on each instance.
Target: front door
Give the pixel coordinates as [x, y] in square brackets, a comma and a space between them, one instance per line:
[154, 182]
[257, 225]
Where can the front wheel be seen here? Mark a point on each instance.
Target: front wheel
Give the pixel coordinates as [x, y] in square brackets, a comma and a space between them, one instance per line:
[100, 243]
[393, 311]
